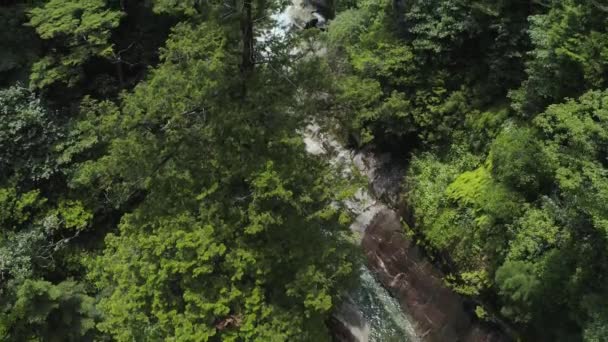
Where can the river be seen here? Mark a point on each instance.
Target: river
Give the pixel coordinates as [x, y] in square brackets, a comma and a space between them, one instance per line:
[370, 313]
[419, 306]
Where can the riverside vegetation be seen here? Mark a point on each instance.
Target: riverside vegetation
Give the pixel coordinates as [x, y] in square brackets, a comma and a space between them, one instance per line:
[154, 186]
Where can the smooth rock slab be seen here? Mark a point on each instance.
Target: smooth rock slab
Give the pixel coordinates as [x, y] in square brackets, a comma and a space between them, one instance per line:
[438, 312]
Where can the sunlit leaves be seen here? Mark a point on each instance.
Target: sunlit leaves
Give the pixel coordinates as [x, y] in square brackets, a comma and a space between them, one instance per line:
[81, 28]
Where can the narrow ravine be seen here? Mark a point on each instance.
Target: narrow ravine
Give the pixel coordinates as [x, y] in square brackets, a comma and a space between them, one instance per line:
[400, 295]
[371, 313]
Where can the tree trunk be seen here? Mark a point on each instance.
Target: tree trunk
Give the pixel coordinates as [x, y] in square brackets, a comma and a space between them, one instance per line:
[247, 58]
[120, 73]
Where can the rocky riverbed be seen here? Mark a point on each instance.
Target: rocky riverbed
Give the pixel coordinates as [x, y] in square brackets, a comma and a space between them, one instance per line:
[397, 274]
[401, 295]
[438, 313]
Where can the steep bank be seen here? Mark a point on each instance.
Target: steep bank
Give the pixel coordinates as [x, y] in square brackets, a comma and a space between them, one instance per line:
[401, 266]
[439, 313]
[431, 311]
[402, 296]
[370, 313]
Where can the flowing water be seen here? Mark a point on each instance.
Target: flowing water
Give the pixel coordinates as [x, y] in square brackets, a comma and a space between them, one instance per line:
[371, 313]
[382, 312]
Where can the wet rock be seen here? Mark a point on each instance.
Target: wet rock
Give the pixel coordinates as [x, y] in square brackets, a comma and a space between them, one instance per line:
[339, 331]
[324, 7]
[349, 324]
[438, 312]
[311, 23]
[385, 174]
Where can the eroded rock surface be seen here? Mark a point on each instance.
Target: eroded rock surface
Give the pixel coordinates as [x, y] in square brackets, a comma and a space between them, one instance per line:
[439, 313]
[435, 311]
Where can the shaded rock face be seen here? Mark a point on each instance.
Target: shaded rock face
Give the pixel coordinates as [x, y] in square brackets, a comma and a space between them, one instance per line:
[323, 7]
[438, 312]
[340, 331]
[349, 325]
[384, 174]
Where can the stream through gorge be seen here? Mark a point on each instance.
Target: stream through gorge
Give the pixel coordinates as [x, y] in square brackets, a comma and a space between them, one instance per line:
[400, 295]
[370, 313]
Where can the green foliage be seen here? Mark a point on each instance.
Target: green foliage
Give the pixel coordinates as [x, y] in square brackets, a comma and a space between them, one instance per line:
[38, 229]
[188, 7]
[421, 55]
[535, 233]
[181, 203]
[473, 40]
[26, 132]
[19, 45]
[438, 26]
[568, 56]
[517, 283]
[481, 313]
[529, 223]
[32, 244]
[428, 180]
[46, 312]
[33, 231]
[158, 119]
[480, 127]
[218, 246]
[481, 208]
[596, 328]
[517, 160]
[471, 284]
[210, 275]
[489, 200]
[385, 98]
[205, 163]
[532, 217]
[348, 25]
[20, 245]
[576, 136]
[80, 28]
[436, 215]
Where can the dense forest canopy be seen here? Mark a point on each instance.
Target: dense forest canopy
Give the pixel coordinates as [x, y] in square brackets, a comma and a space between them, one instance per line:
[151, 183]
[154, 184]
[505, 103]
